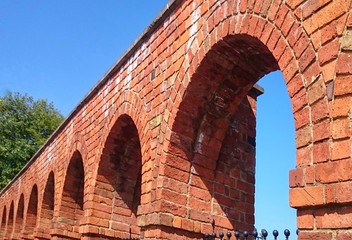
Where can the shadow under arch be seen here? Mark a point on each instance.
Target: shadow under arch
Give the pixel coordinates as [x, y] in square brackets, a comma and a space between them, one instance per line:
[118, 183]
[71, 208]
[3, 222]
[10, 221]
[47, 209]
[19, 218]
[32, 213]
[214, 132]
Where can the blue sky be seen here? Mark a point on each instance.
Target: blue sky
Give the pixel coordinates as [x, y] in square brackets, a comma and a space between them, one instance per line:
[58, 50]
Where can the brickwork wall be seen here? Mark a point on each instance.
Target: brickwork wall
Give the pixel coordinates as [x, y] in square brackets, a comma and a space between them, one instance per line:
[163, 146]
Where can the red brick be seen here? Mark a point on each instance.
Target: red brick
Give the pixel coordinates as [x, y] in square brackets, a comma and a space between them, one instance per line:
[294, 34]
[341, 107]
[311, 6]
[321, 152]
[304, 156]
[311, 235]
[341, 128]
[299, 100]
[305, 219]
[344, 63]
[302, 117]
[328, 52]
[344, 235]
[317, 90]
[341, 149]
[325, 15]
[307, 57]
[307, 196]
[303, 136]
[343, 85]
[309, 175]
[321, 130]
[296, 178]
[274, 9]
[334, 218]
[333, 171]
[343, 192]
[294, 3]
[320, 110]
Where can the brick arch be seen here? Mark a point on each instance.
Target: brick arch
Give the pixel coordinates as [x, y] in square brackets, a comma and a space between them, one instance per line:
[219, 75]
[3, 222]
[118, 183]
[47, 208]
[32, 213]
[19, 217]
[71, 206]
[10, 221]
[130, 104]
[199, 140]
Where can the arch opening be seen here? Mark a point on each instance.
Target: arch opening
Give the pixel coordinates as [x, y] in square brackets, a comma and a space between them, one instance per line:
[275, 154]
[10, 221]
[47, 209]
[32, 212]
[214, 133]
[71, 209]
[19, 216]
[118, 183]
[3, 222]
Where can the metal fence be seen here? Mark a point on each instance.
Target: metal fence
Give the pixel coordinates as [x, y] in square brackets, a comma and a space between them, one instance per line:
[255, 235]
[237, 235]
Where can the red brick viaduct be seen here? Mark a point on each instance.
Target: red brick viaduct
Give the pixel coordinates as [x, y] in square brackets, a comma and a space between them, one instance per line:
[163, 146]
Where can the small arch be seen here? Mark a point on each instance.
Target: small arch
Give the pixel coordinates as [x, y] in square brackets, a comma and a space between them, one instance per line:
[19, 216]
[47, 210]
[3, 222]
[71, 209]
[10, 221]
[118, 183]
[32, 212]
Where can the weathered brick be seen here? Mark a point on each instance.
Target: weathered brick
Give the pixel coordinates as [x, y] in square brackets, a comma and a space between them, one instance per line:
[307, 196]
[341, 107]
[341, 128]
[344, 63]
[343, 85]
[328, 52]
[157, 154]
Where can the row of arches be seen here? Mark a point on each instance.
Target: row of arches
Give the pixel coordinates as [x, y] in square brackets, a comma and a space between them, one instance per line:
[211, 154]
[23, 221]
[116, 195]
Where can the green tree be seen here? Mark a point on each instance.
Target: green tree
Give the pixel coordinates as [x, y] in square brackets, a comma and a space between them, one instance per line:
[25, 125]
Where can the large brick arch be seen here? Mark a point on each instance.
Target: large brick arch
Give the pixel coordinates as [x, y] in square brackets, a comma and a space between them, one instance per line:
[214, 99]
[112, 209]
[118, 182]
[186, 91]
[218, 71]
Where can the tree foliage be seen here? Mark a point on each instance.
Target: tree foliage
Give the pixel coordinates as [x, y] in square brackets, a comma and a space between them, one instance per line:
[25, 125]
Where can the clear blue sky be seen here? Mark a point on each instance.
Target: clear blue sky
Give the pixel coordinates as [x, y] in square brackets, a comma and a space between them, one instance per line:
[58, 50]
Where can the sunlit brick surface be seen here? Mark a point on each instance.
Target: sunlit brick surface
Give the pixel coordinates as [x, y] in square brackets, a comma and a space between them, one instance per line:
[164, 146]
